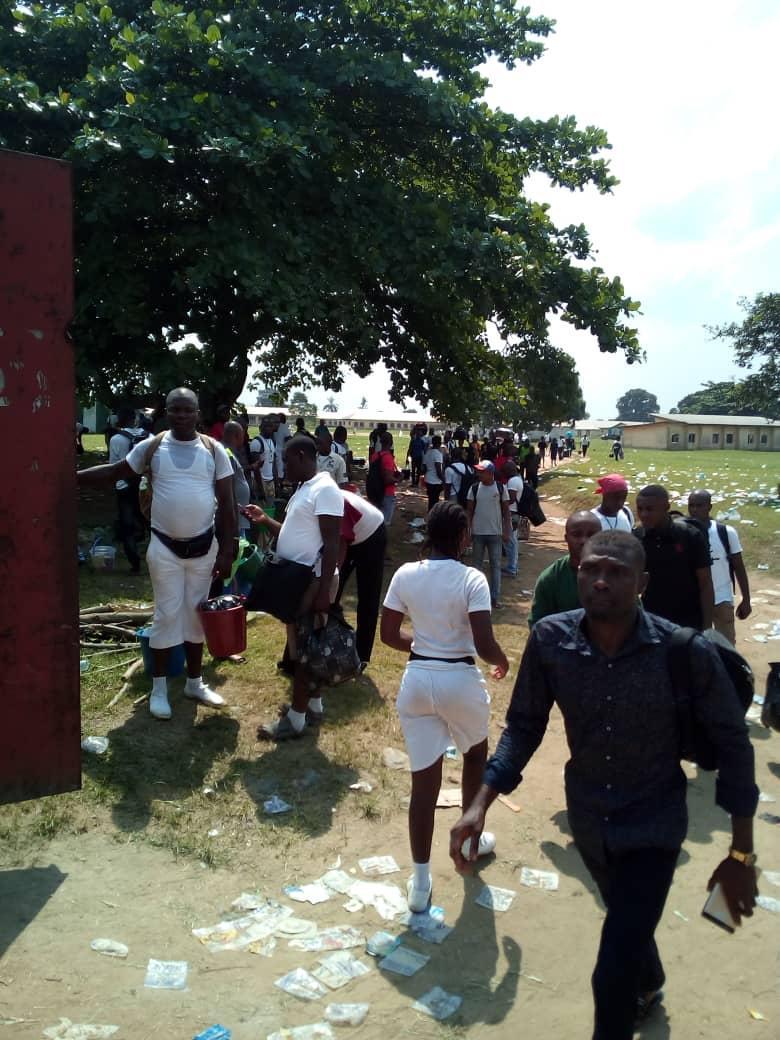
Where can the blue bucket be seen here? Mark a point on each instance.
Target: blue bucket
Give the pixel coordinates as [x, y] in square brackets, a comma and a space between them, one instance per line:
[176, 656]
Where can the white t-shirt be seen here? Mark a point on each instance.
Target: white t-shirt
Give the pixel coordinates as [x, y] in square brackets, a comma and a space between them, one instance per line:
[183, 477]
[438, 596]
[334, 465]
[371, 518]
[341, 449]
[300, 539]
[488, 518]
[453, 475]
[264, 446]
[624, 521]
[119, 447]
[721, 575]
[514, 484]
[430, 458]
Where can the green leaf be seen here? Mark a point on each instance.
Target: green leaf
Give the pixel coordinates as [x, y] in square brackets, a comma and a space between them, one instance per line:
[133, 62]
[129, 98]
[200, 98]
[213, 35]
[63, 95]
[105, 14]
[128, 34]
[80, 11]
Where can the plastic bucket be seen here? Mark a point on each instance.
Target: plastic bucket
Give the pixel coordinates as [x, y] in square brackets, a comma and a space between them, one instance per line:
[103, 557]
[176, 656]
[225, 630]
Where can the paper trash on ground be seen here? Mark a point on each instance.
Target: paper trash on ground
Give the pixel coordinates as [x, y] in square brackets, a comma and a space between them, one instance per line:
[438, 1003]
[166, 974]
[382, 944]
[341, 937]
[109, 947]
[772, 876]
[242, 932]
[313, 893]
[361, 785]
[339, 968]
[768, 903]
[248, 901]
[374, 866]
[346, 1014]
[317, 1031]
[493, 898]
[296, 928]
[388, 900]
[404, 961]
[449, 798]
[395, 759]
[546, 879]
[299, 983]
[67, 1030]
[275, 805]
[338, 881]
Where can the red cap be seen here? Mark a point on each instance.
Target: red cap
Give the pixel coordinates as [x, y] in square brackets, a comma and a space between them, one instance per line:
[611, 482]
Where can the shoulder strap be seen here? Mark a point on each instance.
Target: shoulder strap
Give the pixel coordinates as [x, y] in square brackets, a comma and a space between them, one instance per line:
[723, 534]
[155, 444]
[208, 442]
[679, 660]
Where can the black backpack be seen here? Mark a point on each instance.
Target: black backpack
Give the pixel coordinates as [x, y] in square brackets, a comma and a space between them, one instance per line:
[134, 438]
[467, 480]
[528, 505]
[375, 482]
[694, 744]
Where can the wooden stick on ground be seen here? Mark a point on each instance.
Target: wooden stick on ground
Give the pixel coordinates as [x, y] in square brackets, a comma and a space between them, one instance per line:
[128, 675]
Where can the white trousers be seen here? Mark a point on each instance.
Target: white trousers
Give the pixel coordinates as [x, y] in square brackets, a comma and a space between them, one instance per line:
[179, 586]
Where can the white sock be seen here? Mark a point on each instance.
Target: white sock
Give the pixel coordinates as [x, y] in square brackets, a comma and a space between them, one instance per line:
[315, 704]
[297, 718]
[193, 684]
[422, 875]
[160, 684]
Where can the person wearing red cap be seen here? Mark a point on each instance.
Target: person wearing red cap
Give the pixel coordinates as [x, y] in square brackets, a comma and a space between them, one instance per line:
[613, 513]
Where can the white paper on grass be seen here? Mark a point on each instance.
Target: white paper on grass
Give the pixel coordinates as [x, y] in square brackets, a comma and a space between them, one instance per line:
[338, 881]
[382, 944]
[67, 1030]
[493, 898]
[317, 1031]
[166, 974]
[772, 876]
[243, 932]
[339, 968]
[404, 961]
[388, 900]
[768, 903]
[296, 928]
[346, 1014]
[248, 901]
[299, 983]
[341, 937]
[374, 866]
[275, 805]
[438, 1003]
[546, 879]
[314, 893]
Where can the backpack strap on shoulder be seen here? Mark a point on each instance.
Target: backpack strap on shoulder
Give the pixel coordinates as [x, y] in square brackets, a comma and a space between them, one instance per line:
[152, 448]
[679, 659]
[208, 442]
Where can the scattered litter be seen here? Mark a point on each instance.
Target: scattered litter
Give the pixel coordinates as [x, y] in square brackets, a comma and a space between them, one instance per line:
[361, 785]
[95, 745]
[451, 752]
[243, 932]
[374, 866]
[769, 817]
[346, 1014]
[417, 522]
[505, 800]
[248, 901]
[339, 938]
[296, 928]
[338, 881]
[527, 592]
[166, 974]
[764, 797]
[546, 879]
[318, 1031]
[388, 900]
[760, 626]
[68, 1030]
[403, 961]
[299, 983]
[353, 906]
[762, 567]
[681, 916]
[275, 804]
[314, 893]
[208, 791]
[339, 968]
[214, 832]
[438, 1003]
[109, 947]
[214, 1033]
[756, 1015]
[449, 798]
[498, 899]
[382, 944]
[429, 927]
[768, 903]
[760, 639]
[772, 876]
[416, 538]
[395, 759]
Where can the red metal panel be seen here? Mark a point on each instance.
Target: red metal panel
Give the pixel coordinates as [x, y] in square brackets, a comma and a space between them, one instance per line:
[39, 648]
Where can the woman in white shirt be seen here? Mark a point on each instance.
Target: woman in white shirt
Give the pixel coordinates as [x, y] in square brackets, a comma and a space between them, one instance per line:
[443, 698]
[433, 465]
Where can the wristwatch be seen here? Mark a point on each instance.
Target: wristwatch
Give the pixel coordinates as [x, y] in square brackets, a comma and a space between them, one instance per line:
[748, 859]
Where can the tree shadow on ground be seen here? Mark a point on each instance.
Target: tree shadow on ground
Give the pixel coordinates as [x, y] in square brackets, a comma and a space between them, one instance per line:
[466, 964]
[23, 894]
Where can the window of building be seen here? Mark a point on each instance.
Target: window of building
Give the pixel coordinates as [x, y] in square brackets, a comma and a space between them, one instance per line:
[691, 438]
[675, 438]
[764, 439]
[750, 438]
[729, 438]
[716, 438]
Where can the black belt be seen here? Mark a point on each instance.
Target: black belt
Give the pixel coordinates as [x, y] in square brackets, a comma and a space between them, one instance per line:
[187, 548]
[447, 660]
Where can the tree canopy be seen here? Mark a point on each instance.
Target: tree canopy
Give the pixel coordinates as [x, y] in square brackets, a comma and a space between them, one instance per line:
[726, 398]
[637, 405]
[311, 185]
[756, 342]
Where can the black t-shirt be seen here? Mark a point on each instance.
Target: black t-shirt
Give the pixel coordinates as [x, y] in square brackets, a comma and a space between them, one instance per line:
[674, 554]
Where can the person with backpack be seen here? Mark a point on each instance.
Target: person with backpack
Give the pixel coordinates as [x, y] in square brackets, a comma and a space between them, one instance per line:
[192, 541]
[489, 524]
[606, 667]
[130, 522]
[727, 565]
[458, 478]
[613, 513]
[382, 477]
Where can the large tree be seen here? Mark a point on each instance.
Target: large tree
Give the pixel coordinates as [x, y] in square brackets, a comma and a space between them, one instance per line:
[637, 405]
[316, 184]
[726, 398]
[756, 342]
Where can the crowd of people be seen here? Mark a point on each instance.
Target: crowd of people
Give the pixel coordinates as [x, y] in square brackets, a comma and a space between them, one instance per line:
[602, 621]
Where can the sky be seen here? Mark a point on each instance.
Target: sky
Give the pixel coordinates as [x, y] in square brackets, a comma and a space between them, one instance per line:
[687, 93]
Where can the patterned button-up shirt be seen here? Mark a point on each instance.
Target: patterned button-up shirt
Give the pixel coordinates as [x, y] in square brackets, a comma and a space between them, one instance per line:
[625, 788]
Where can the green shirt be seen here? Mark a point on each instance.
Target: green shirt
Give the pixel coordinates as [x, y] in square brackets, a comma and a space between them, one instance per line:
[556, 590]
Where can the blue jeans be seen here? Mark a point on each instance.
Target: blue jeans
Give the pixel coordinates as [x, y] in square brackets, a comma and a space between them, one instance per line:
[388, 508]
[510, 546]
[491, 542]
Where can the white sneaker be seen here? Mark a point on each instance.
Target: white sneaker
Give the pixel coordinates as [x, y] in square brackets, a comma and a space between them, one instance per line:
[487, 844]
[205, 695]
[159, 706]
[418, 899]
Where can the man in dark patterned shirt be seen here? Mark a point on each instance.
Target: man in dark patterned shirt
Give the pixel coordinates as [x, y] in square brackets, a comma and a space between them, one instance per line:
[606, 668]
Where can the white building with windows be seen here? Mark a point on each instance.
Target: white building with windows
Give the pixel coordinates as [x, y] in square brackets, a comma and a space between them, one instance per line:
[707, 432]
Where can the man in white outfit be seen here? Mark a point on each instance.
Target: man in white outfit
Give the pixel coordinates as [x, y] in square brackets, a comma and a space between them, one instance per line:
[190, 475]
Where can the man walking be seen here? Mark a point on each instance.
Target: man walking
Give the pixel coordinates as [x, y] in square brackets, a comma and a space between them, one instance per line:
[262, 454]
[727, 565]
[613, 513]
[489, 523]
[188, 471]
[363, 543]
[606, 668]
[556, 587]
[679, 586]
[130, 521]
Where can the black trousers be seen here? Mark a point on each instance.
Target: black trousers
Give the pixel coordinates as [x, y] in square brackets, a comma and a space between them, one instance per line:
[130, 522]
[634, 887]
[416, 470]
[434, 491]
[367, 560]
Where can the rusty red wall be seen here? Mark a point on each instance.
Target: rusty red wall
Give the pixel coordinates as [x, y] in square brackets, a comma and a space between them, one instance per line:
[39, 648]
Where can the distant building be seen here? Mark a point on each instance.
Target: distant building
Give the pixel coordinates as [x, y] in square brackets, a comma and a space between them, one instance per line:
[707, 432]
[366, 419]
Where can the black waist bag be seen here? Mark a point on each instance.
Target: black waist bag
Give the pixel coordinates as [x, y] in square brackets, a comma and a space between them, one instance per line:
[187, 548]
[279, 588]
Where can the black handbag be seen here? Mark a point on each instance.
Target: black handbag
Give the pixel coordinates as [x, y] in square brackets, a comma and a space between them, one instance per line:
[279, 587]
[329, 654]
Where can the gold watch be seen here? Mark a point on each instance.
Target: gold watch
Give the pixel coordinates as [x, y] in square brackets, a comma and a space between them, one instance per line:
[748, 859]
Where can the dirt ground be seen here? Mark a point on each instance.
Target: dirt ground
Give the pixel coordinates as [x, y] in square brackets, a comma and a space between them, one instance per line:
[522, 972]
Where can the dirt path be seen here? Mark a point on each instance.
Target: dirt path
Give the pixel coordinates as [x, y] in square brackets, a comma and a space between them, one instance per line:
[524, 972]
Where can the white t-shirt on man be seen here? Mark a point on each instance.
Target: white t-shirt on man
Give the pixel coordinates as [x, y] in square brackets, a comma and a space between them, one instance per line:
[430, 458]
[624, 521]
[300, 539]
[488, 518]
[721, 573]
[334, 465]
[453, 475]
[438, 596]
[514, 484]
[183, 477]
[264, 446]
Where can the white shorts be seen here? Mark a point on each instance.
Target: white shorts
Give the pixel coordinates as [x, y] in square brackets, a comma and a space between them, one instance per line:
[179, 586]
[440, 704]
